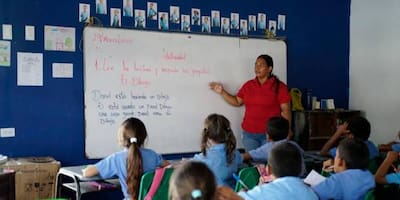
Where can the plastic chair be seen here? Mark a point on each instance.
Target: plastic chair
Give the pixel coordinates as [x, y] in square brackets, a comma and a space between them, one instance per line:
[249, 176]
[162, 190]
[370, 195]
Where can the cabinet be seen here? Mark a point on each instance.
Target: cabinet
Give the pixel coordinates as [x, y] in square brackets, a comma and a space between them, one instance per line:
[312, 129]
[7, 185]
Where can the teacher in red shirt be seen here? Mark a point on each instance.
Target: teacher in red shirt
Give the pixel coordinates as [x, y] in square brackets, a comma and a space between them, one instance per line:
[264, 97]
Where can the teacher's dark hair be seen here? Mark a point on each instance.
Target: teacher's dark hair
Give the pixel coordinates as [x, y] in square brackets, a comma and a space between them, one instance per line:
[270, 63]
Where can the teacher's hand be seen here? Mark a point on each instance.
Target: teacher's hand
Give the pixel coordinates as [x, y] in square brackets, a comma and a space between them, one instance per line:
[217, 87]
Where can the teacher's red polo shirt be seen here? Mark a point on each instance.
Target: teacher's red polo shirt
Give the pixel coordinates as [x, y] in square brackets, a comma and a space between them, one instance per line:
[261, 103]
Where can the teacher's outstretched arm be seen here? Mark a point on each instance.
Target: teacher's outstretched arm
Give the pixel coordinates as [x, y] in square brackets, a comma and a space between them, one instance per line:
[231, 99]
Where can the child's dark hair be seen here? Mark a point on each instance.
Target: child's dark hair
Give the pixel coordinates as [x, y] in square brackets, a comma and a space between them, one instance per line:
[359, 127]
[285, 160]
[277, 128]
[218, 129]
[192, 180]
[133, 134]
[270, 63]
[354, 152]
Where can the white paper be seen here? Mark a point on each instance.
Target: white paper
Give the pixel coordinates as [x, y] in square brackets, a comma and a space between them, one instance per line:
[29, 69]
[5, 53]
[330, 104]
[63, 70]
[57, 38]
[314, 178]
[7, 32]
[281, 22]
[30, 33]
[7, 132]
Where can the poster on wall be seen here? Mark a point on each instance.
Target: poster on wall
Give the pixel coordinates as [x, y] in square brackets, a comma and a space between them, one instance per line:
[57, 38]
[29, 69]
[5, 47]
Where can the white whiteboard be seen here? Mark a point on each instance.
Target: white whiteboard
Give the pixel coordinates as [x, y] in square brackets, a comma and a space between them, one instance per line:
[162, 78]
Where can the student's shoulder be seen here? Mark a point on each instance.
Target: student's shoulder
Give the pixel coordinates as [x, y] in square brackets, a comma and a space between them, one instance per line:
[146, 151]
[297, 145]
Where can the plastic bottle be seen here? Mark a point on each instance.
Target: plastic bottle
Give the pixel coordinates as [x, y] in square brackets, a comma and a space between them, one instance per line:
[309, 99]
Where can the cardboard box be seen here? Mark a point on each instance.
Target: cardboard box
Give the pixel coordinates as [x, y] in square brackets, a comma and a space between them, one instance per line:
[35, 178]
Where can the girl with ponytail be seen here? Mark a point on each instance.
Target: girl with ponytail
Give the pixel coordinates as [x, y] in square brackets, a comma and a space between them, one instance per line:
[130, 163]
[218, 149]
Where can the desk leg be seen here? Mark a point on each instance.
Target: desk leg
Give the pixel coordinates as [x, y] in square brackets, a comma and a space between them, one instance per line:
[78, 188]
[57, 193]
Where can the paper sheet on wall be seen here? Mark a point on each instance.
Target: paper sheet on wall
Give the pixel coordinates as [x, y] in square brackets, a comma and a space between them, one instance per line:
[57, 38]
[5, 47]
[63, 70]
[7, 32]
[29, 69]
[30, 33]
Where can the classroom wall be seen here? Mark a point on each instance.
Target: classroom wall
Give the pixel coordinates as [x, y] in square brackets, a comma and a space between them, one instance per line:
[374, 65]
[49, 120]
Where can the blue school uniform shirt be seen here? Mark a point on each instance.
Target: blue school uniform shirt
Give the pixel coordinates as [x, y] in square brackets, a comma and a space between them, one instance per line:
[283, 188]
[115, 165]
[243, 30]
[152, 13]
[234, 24]
[225, 29]
[100, 8]
[140, 21]
[163, 24]
[396, 147]
[174, 18]
[196, 19]
[252, 26]
[128, 11]
[351, 184]
[205, 28]
[185, 26]
[261, 153]
[215, 159]
[215, 21]
[393, 178]
[115, 21]
[261, 24]
[84, 16]
[373, 151]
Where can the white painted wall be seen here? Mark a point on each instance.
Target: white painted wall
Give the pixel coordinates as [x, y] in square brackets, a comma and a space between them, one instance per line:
[375, 65]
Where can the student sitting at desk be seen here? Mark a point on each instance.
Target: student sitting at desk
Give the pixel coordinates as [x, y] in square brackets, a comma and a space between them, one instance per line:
[284, 163]
[218, 149]
[277, 132]
[129, 164]
[356, 127]
[192, 180]
[351, 180]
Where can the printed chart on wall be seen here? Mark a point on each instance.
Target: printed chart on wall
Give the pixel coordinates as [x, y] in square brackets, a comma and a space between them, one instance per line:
[57, 38]
[162, 79]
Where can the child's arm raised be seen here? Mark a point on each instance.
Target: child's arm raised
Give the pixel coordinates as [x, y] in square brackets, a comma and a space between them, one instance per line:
[380, 175]
[340, 131]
